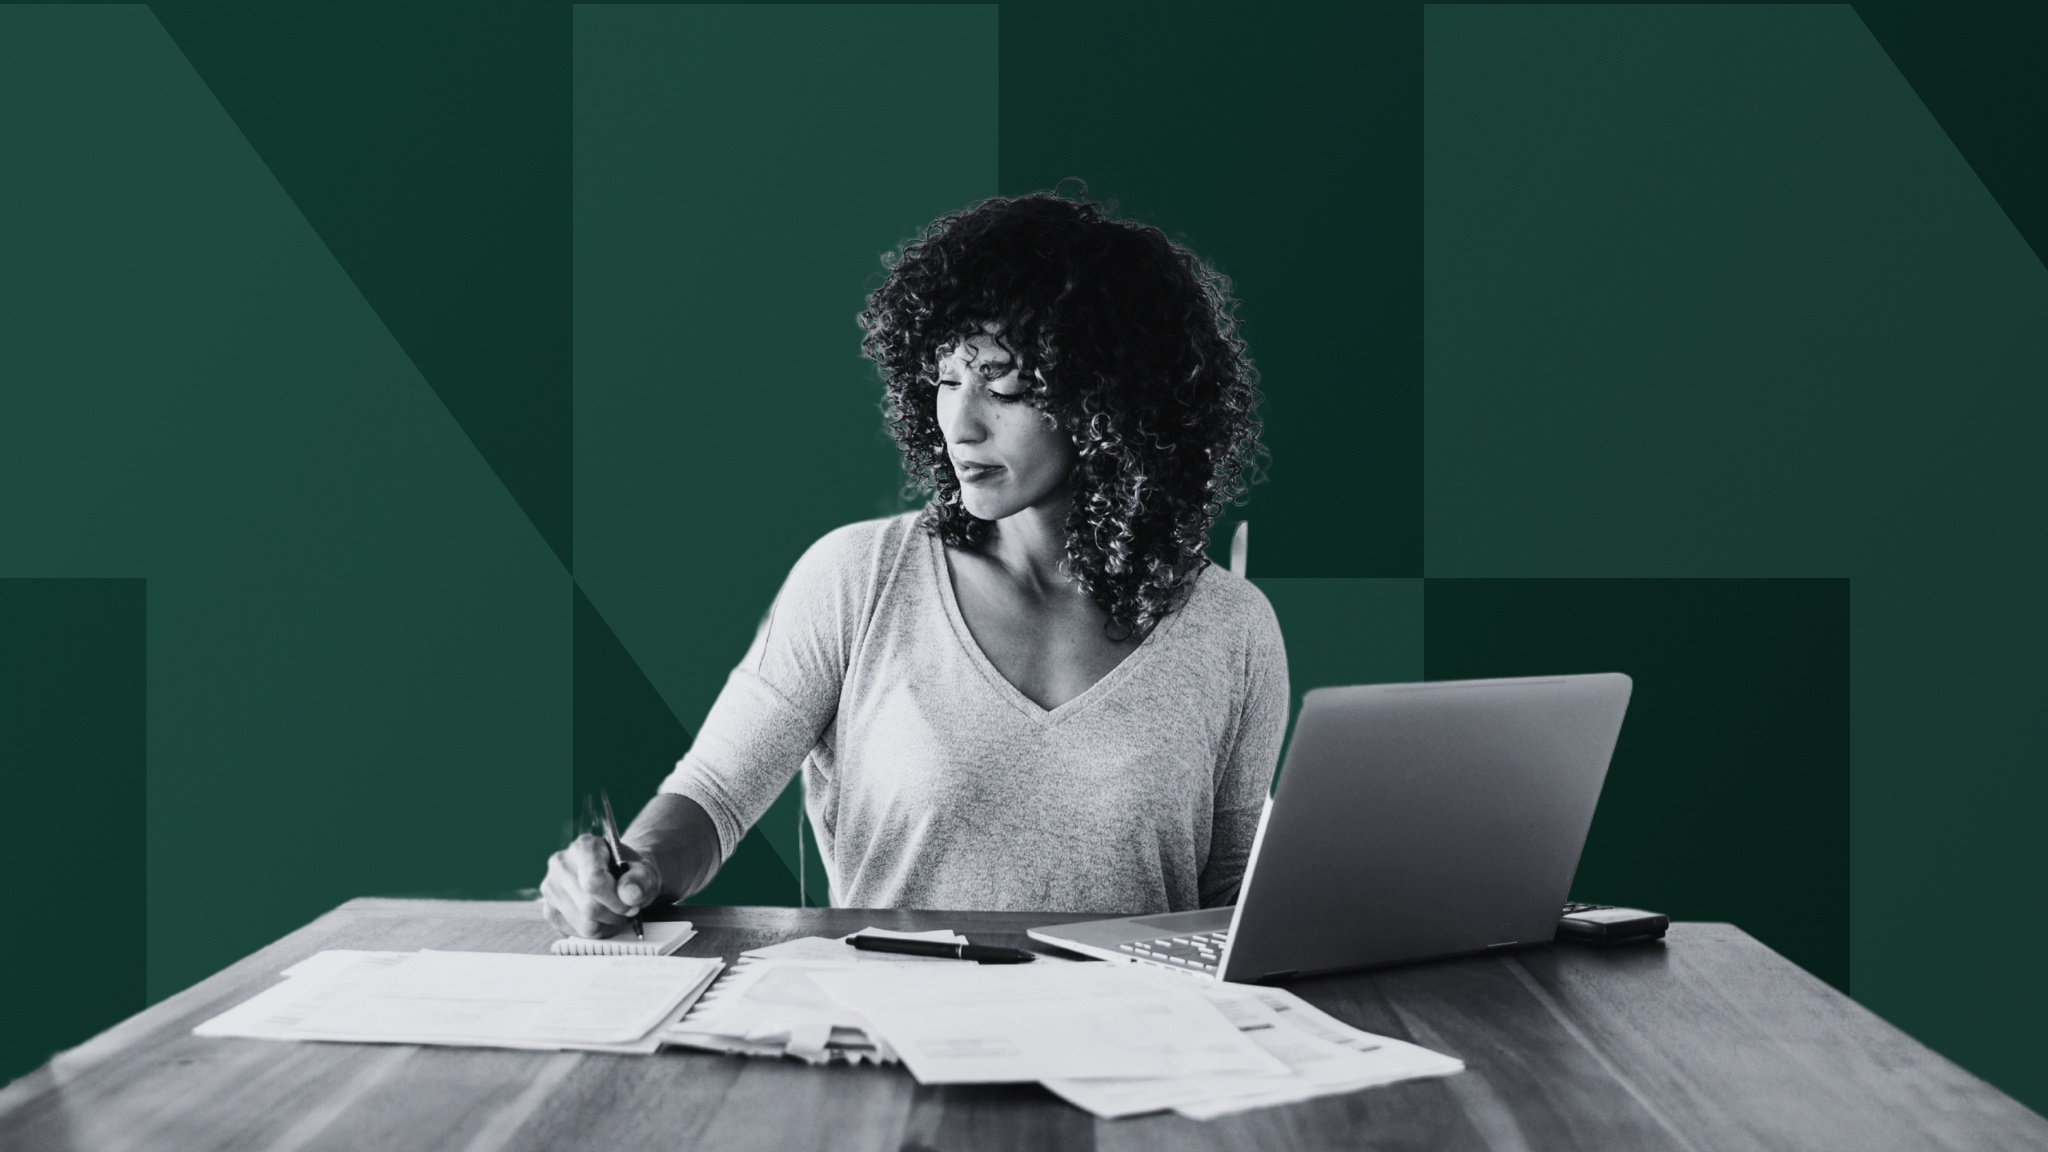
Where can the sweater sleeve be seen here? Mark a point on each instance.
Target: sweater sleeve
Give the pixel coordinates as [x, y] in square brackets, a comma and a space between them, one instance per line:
[783, 695]
[1244, 774]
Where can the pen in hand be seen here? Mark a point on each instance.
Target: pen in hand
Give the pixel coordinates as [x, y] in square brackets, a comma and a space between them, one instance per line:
[611, 840]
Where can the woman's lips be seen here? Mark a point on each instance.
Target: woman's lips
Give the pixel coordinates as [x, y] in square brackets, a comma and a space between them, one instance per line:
[976, 473]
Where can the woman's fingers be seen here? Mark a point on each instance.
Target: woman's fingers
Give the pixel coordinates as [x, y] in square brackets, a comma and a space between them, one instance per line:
[582, 897]
[638, 885]
[592, 863]
[575, 915]
[578, 891]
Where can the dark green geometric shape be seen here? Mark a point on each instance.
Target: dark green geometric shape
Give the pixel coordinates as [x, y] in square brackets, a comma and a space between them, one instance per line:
[817, 889]
[1728, 795]
[73, 724]
[428, 145]
[1979, 67]
[627, 742]
[359, 646]
[753, 874]
[1284, 143]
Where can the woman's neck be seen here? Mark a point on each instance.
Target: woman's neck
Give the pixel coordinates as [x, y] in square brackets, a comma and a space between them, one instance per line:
[1031, 548]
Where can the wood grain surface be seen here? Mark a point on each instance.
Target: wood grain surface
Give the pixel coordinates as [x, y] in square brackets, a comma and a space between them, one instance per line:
[1708, 1042]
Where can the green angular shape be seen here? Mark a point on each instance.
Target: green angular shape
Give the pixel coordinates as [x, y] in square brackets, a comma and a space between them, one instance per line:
[428, 146]
[1728, 795]
[739, 171]
[753, 874]
[1283, 143]
[73, 725]
[1710, 293]
[359, 646]
[1977, 65]
[627, 739]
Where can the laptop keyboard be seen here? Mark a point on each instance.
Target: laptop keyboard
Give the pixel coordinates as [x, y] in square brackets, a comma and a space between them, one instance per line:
[1197, 952]
[1203, 951]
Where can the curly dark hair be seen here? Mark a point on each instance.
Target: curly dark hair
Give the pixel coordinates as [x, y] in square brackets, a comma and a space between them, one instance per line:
[1128, 342]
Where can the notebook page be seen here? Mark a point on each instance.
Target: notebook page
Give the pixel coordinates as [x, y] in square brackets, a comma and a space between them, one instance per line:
[493, 997]
[662, 938]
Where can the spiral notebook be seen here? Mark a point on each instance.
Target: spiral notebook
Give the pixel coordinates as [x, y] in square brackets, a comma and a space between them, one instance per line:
[663, 938]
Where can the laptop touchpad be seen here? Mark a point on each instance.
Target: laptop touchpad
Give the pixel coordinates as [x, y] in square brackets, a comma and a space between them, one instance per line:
[1201, 920]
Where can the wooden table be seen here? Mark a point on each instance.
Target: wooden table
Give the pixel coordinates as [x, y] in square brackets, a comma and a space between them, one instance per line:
[1709, 1042]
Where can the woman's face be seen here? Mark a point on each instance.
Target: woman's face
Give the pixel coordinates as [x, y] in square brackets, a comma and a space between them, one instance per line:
[1008, 455]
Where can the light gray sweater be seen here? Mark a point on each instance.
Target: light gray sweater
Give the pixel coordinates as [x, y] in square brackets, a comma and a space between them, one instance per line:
[932, 782]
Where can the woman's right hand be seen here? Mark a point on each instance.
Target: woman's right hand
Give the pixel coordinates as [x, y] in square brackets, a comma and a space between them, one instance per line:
[580, 897]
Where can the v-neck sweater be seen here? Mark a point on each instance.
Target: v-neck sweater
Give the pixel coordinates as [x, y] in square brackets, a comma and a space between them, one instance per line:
[932, 782]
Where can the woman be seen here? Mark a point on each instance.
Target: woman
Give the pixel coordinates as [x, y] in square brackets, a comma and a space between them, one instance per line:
[1036, 693]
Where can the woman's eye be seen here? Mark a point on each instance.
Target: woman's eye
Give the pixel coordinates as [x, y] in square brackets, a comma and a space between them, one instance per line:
[1006, 397]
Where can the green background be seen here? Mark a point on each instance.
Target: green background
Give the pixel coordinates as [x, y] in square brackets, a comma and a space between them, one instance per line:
[408, 409]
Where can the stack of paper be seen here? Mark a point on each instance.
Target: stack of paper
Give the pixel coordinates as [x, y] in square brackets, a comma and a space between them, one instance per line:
[1323, 1056]
[485, 999]
[1117, 1040]
[974, 1024]
[768, 1005]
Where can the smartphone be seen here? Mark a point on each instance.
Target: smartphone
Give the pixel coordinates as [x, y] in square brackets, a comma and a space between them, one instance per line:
[1607, 924]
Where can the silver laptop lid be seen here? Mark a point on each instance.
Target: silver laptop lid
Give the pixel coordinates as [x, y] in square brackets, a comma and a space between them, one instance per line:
[1420, 820]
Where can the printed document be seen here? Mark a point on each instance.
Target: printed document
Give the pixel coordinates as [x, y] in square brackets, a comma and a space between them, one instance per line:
[1323, 1055]
[975, 1024]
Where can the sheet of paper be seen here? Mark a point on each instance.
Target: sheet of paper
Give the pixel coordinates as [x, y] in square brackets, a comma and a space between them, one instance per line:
[854, 1050]
[276, 1012]
[766, 998]
[968, 1024]
[936, 935]
[1323, 1055]
[495, 996]
[771, 1006]
[1393, 1061]
[822, 948]
[335, 960]
[606, 1003]
[651, 1043]
[1307, 1016]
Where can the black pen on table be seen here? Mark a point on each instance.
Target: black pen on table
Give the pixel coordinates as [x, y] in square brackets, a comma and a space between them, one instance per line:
[611, 840]
[982, 953]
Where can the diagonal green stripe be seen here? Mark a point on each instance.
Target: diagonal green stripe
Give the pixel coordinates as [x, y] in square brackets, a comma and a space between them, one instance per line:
[358, 645]
[1978, 65]
[428, 145]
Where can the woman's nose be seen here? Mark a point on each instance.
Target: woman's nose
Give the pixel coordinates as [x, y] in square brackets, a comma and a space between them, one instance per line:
[967, 423]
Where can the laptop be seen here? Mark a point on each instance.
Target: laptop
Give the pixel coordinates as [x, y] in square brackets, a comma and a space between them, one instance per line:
[1411, 821]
